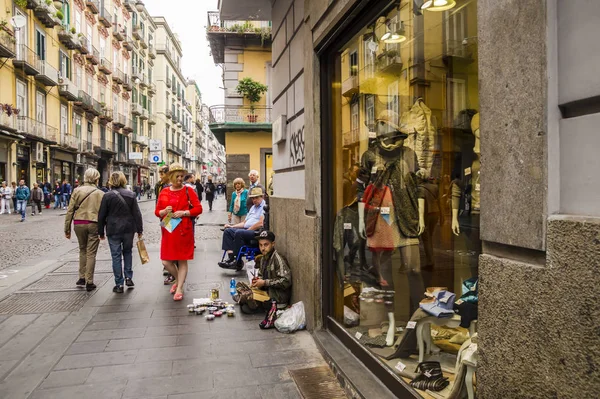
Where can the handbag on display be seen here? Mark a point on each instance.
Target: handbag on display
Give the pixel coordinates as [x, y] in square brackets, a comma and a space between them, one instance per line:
[372, 214]
[143, 252]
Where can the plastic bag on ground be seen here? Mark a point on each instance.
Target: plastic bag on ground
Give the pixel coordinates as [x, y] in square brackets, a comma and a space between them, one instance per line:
[292, 319]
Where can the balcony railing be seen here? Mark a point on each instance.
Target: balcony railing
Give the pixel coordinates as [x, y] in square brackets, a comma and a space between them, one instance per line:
[84, 100]
[151, 52]
[151, 89]
[46, 13]
[118, 32]
[141, 140]
[7, 45]
[173, 148]
[35, 128]
[68, 90]
[215, 24]
[122, 157]
[8, 122]
[93, 56]
[27, 60]
[239, 114]
[136, 109]
[105, 17]
[48, 75]
[85, 45]
[68, 38]
[70, 141]
[93, 5]
[105, 66]
[107, 145]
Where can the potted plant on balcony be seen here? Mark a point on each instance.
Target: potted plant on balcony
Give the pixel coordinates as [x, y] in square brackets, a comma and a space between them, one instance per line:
[253, 92]
[59, 14]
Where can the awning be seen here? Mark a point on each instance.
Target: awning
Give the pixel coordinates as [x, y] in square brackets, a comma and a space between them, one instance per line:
[246, 10]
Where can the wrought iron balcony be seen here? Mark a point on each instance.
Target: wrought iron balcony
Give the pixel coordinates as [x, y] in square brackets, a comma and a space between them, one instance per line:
[151, 52]
[173, 148]
[220, 114]
[87, 146]
[136, 74]
[105, 66]
[48, 75]
[128, 126]
[122, 157]
[118, 76]
[106, 115]
[118, 32]
[144, 116]
[141, 140]
[137, 32]
[27, 60]
[93, 5]
[107, 146]
[128, 43]
[169, 83]
[7, 45]
[70, 141]
[105, 17]
[68, 90]
[169, 114]
[31, 127]
[85, 47]
[129, 4]
[151, 120]
[84, 100]
[94, 56]
[136, 109]
[119, 120]
[46, 13]
[151, 89]
[96, 108]
[68, 38]
[127, 82]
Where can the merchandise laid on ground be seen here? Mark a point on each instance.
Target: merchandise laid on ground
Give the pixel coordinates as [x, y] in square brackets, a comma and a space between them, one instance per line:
[406, 231]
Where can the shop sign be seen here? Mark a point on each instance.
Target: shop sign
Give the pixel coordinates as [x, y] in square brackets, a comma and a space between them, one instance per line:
[22, 152]
[136, 155]
[155, 145]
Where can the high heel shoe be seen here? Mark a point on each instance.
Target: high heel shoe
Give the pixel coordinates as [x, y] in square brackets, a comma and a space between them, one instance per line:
[178, 296]
[173, 288]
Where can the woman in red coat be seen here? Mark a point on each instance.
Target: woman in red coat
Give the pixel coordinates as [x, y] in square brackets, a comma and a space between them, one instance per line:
[178, 245]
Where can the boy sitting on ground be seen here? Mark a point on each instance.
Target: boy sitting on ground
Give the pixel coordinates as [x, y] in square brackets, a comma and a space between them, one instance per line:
[274, 277]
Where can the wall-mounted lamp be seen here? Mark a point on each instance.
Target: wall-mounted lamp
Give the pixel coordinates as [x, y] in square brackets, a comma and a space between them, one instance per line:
[438, 5]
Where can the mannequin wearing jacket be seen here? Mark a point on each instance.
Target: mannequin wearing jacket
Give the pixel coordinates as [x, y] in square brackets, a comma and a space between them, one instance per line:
[392, 211]
[466, 196]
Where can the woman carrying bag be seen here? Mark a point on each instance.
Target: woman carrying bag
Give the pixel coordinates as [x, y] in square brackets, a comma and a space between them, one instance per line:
[177, 205]
[237, 207]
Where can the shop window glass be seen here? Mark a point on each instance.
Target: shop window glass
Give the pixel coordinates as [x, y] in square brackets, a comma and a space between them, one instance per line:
[406, 184]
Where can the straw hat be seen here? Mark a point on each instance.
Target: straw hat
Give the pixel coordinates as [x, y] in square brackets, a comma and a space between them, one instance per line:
[176, 167]
[256, 192]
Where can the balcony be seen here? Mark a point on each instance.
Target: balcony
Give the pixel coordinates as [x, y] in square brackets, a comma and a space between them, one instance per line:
[87, 146]
[107, 146]
[389, 62]
[105, 66]
[143, 81]
[143, 43]
[48, 75]
[136, 109]
[136, 74]
[169, 83]
[137, 33]
[119, 33]
[46, 13]
[68, 90]
[27, 60]
[151, 89]
[96, 108]
[119, 121]
[122, 157]
[127, 82]
[8, 122]
[106, 115]
[164, 49]
[129, 5]
[68, 38]
[228, 118]
[118, 76]
[151, 52]
[169, 114]
[84, 100]
[94, 56]
[31, 127]
[141, 140]
[85, 45]
[128, 127]
[151, 120]
[70, 141]
[144, 116]
[105, 17]
[173, 148]
[350, 86]
[174, 88]
[128, 43]
[7, 45]
[219, 32]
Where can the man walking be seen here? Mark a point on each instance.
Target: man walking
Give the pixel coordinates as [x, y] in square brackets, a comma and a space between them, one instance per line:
[37, 195]
[66, 194]
[22, 195]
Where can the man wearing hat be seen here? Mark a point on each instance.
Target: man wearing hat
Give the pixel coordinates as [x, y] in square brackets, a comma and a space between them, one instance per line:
[238, 235]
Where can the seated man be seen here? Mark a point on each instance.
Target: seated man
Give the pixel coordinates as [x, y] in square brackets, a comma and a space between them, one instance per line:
[238, 235]
[274, 276]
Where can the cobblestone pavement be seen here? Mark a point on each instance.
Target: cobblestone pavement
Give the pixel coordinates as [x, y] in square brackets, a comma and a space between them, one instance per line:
[57, 341]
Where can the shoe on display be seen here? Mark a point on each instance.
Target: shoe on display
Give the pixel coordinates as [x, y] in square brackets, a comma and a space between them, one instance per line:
[80, 282]
[118, 289]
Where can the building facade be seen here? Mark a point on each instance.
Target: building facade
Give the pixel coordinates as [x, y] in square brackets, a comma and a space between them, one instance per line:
[243, 48]
[401, 191]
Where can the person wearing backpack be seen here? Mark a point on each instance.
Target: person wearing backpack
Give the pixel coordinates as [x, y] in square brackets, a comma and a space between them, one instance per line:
[83, 214]
[121, 217]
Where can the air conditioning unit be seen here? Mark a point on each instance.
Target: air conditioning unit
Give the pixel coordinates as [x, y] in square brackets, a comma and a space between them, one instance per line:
[39, 152]
[78, 160]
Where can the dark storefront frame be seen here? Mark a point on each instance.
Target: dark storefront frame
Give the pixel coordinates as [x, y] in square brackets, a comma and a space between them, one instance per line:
[351, 24]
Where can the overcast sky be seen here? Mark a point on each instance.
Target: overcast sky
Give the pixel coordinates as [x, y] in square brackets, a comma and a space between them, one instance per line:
[188, 19]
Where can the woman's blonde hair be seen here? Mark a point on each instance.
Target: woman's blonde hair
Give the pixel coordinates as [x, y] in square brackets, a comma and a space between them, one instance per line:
[239, 180]
[91, 176]
[117, 179]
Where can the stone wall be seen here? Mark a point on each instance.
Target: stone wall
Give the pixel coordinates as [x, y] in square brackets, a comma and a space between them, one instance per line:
[298, 239]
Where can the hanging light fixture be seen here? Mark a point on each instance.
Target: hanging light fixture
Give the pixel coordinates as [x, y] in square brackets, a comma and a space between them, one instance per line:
[438, 5]
[397, 36]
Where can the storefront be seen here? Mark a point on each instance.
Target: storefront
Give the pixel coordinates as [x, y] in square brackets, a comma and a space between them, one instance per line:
[400, 138]
[23, 162]
[62, 166]
[5, 146]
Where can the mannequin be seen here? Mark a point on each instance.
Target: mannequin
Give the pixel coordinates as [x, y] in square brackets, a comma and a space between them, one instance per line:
[392, 212]
[466, 200]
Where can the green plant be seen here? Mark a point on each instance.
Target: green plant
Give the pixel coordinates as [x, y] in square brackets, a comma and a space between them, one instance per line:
[59, 14]
[73, 30]
[49, 2]
[21, 3]
[251, 90]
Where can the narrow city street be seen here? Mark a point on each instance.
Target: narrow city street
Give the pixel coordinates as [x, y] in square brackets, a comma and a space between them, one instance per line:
[58, 341]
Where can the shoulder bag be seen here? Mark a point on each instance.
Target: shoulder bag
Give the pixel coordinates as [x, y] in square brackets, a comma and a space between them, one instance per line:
[77, 206]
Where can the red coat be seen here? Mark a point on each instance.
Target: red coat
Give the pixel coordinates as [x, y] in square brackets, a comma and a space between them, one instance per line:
[178, 245]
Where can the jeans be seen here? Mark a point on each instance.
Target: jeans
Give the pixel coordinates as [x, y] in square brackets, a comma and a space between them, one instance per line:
[57, 203]
[121, 246]
[22, 208]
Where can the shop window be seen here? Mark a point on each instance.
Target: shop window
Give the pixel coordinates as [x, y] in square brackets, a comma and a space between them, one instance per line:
[405, 195]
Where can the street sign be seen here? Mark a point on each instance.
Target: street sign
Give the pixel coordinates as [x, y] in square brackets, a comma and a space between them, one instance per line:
[136, 155]
[155, 156]
[155, 145]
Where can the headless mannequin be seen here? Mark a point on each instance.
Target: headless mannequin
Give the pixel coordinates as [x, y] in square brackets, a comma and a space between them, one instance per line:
[390, 150]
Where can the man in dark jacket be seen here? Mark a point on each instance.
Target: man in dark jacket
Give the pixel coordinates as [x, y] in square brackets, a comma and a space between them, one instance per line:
[199, 189]
[120, 216]
[210, 190]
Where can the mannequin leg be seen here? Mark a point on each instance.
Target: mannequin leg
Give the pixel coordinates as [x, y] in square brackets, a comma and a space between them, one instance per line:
[412, 262]
[389, 338]
[380, 260]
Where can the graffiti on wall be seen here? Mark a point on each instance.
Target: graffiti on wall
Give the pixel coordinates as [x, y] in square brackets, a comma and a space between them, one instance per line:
[297, 147]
